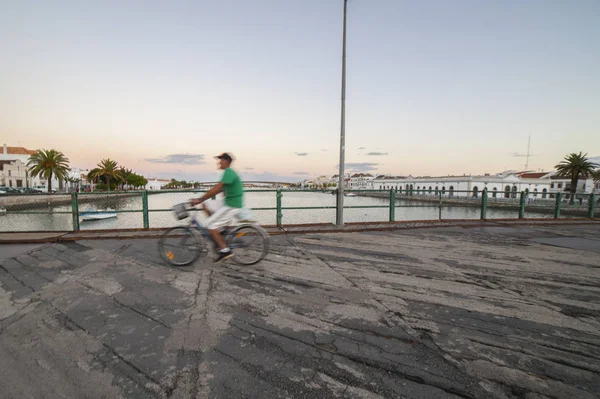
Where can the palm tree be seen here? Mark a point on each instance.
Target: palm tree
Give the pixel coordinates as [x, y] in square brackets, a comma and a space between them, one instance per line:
[109, 169]
[575, 166]
[48, 163]
[125, 176]
[596, 176]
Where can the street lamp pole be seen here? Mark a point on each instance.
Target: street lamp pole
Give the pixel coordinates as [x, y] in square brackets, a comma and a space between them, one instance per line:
[340, 199]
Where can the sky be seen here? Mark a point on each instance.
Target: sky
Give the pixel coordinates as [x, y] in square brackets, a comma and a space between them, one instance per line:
[433, 87]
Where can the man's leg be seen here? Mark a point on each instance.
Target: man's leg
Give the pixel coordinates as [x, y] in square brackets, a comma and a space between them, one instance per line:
[206, 209]
[216, 235]
[222, 217]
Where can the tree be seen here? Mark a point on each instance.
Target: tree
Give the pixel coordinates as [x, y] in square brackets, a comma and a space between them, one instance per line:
[575, 166]
[125, 176]
[136, 181]
[596, 176]
[48, 163]
[108, 169]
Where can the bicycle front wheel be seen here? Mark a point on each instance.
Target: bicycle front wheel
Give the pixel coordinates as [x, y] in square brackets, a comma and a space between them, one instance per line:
[181, 246]
[249, 243]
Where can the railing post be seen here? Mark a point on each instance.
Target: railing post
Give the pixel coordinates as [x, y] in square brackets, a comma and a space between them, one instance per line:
[484, 199]
[440, 194]
[557, 205]
[75, 211]
[145, 209]
[392, 205]
[522, 205]
[279, 212]
[591, 206]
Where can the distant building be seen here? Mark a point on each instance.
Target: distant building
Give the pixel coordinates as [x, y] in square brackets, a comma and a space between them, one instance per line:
[156, 184]
[22, 155]
[13, 174]
[502, 185]
[360, 181]
[14, 153]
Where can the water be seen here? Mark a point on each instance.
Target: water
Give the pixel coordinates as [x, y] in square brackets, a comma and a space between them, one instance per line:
[159, 204]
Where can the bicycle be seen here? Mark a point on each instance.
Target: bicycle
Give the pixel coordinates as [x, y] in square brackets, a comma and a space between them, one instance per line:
[183, 245]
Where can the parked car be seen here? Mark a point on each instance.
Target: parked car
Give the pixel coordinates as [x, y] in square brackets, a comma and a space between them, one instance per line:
[9, 190]
[31, 191]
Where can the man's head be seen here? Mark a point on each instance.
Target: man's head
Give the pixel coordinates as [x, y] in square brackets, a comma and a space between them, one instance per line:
[225, 160]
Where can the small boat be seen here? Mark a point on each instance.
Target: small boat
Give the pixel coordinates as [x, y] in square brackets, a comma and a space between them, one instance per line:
[350, 195]
[93, 214]
[2, 211]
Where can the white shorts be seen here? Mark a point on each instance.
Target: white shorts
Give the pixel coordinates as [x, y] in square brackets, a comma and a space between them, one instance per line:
[221, 214]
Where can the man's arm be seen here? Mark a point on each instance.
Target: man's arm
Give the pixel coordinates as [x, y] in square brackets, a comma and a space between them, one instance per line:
[217, 189]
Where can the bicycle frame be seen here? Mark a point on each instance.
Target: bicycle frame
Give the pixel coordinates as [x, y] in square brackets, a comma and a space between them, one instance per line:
[203, 230]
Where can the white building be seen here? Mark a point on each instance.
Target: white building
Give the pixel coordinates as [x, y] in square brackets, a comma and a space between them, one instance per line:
[503, 185]
[22, 155]
[360, 181]
[14, 153]
[156, 184]
[563, 185]
[13, 174]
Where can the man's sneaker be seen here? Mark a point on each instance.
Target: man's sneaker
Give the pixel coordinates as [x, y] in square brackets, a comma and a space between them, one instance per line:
[222, 256]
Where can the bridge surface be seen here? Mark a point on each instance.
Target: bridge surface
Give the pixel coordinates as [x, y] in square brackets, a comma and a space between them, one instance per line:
[447, 312]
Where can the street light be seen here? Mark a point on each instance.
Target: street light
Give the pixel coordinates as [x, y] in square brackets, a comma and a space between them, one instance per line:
[340, 199]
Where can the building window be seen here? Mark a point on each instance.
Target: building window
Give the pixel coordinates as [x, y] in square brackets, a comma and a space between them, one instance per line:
[559, 185]
[507, 192]
[514, 192]
[19, 183]
[495, 192]
[535, 192]
[475, 192]
[430, 189]
[9, 173]
[544, 193]
[436, 190]
[552, 185]
[443, 190]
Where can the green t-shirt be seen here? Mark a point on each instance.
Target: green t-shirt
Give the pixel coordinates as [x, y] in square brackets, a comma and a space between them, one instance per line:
[232, 188]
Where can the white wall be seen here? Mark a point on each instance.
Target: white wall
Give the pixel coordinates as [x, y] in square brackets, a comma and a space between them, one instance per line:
[466, 184]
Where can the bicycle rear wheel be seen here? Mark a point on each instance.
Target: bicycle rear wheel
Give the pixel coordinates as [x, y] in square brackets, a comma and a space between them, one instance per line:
[249, 243]
[181, 246]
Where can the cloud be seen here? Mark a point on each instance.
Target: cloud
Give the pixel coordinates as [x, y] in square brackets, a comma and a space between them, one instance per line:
[377, 153]
[302, 154]
[362, 148]
[360, 167]
[181, 159]
[300, 173]
[248, 168]
[324, 149]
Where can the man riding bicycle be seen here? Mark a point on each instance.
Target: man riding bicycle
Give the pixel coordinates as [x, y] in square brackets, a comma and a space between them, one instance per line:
[221, 215]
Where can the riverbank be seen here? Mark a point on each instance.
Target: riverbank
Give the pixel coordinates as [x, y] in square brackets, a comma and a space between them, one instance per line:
[37, 201]
[539, 205]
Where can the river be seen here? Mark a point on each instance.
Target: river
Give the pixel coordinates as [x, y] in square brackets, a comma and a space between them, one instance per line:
[159, 204]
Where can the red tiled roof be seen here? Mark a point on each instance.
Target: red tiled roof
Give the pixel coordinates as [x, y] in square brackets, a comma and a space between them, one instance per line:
[19, 151]
[533, 175]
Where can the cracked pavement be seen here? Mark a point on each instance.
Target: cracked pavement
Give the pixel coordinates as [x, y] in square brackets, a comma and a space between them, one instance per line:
[476, 312]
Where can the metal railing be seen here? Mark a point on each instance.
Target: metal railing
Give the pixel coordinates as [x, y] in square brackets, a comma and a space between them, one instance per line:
[152, 209]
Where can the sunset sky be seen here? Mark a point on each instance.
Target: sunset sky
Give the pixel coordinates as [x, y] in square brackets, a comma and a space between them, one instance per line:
[434, 87]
